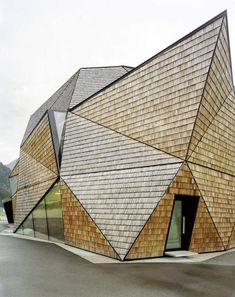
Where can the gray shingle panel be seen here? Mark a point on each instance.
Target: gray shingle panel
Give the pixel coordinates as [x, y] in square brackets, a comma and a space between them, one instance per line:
[79, 87]
[118, 180]
[89, 147]
[63, 102]
[91, 80]
[38, 114]
[115, 199]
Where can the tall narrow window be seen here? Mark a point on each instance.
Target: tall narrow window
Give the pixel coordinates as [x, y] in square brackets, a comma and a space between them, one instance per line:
[59, 121]
[54, 214]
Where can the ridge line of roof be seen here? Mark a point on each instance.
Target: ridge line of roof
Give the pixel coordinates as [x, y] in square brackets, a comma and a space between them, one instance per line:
[220, 15]
[63, 85]
[99, 67]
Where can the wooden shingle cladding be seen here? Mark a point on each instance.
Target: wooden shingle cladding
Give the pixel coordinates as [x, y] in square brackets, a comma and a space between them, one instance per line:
[205, 237]
[218, 191]
[89, 148]
[28, 197]
[79, 229]
[218, 87]
[152, 239]
[40, 145]
[216, 149]
[121, 201]
[37, 169]
[39, 113]
[92, 79]
[32, 172]
[232, 239]
[157, 103]
[165, 128]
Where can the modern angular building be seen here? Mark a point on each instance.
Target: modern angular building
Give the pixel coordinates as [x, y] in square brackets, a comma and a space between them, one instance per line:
[133, 162]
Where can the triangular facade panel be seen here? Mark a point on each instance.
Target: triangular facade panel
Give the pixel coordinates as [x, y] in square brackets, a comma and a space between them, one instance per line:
[205, 237]
[91, 80]
[40, 145]
[39, 113]
[63, 101]
[90, 148]
[28, 197]
[158, 102]
[216, 149]
[219, 85]
[79, 229]
[121, 201]
[152, 239]
[31, 171]
[218, 192]
[232, 239]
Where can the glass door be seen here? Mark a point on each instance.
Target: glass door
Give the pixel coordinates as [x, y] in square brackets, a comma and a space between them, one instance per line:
[174, 240]
[182, 222]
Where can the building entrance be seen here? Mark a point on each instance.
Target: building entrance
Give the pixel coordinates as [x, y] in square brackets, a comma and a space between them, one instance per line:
[182, 221]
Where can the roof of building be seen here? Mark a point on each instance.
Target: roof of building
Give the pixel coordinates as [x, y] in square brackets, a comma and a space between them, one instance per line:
[84, 83]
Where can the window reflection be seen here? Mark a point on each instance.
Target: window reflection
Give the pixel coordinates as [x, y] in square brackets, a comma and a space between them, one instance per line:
[46, 220]
[28, 226]
[13, 184]
[59, 121]
[40, 222]
[54, 215]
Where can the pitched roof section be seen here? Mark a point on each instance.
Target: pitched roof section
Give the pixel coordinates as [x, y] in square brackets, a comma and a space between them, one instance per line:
[157, 103]
[60, 95]
[92, 80]
[81, 85]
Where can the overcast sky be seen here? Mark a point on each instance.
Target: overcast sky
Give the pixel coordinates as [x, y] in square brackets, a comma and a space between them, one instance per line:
[44, 42]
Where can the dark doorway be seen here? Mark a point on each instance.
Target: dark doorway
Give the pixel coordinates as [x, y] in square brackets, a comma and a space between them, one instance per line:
[182, 221]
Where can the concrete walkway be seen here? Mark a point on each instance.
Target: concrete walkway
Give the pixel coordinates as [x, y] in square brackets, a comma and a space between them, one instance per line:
[40, 269]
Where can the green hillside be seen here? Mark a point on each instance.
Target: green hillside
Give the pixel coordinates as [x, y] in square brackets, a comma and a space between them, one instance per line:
[4, 182]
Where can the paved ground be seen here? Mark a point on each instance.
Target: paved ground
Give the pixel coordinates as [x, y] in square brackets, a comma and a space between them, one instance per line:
[38, 269]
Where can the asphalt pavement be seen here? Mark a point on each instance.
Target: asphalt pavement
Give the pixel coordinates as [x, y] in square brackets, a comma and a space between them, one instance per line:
[40, 269]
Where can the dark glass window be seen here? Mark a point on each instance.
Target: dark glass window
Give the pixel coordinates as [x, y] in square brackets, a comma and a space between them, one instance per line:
[54, 215]
[28, 226]
[40, 221]
[46, 221]
[13, 184]
[59, 121]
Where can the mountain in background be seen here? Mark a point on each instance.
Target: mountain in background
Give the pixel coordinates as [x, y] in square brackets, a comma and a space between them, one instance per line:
[4, 182]
[12, 164]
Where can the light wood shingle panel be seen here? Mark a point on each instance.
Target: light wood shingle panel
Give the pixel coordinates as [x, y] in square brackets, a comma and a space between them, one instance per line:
[39, 145]
[152, 239]
[217, 147]
[232, 240]
[79, 229]
[218, 87]
[121, 201]
[132, 106]
[28, 197]
[205, 237]
[218, 191]
[31, 171]
[89, 147]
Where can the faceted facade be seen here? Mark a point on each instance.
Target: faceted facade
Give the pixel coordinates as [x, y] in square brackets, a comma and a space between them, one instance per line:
[132, 162]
